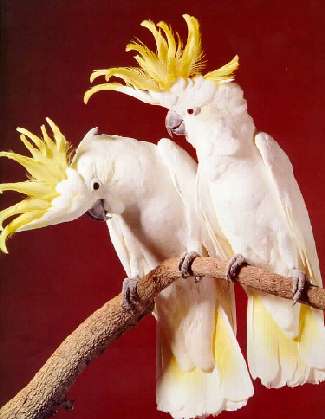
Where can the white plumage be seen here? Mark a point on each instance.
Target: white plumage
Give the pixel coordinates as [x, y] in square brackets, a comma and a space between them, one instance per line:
[252, 204]
[199, 361]
[247, 197]
[148, 191]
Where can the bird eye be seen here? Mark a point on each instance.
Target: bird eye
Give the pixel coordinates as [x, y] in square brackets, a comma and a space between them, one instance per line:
[193, 111]
[96, 186]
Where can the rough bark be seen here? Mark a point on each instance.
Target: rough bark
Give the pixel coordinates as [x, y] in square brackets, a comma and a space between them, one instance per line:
[47, 391]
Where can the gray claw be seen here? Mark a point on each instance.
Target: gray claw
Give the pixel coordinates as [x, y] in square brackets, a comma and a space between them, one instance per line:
[298, 285]
[185, 264]
[130, 294]
[234, 266]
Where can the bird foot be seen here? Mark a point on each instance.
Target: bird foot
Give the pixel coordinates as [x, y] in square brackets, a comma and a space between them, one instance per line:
[234, 266]
[185, 264]
[131, 300]
[299, 280]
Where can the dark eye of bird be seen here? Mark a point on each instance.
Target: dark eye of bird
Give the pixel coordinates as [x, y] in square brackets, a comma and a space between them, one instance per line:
[190, 111]
[95, 186]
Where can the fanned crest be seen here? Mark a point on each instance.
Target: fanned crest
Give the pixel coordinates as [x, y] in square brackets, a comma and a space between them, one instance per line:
[46, 168]
[158, 70]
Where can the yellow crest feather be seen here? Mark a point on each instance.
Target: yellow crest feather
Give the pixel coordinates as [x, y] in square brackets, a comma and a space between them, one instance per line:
[158, 70]
[46, 168]
[224, 73]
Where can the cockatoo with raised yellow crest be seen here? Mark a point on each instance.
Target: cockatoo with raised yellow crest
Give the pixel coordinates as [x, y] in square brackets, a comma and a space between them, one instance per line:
[144, 192]
[248, 198]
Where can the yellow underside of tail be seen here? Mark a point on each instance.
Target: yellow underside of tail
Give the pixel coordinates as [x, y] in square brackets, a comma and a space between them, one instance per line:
[196, 393]
[223, 348]
[278, 359]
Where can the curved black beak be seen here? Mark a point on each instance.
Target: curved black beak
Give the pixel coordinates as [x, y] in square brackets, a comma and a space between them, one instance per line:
[174, 124]
[98, 212]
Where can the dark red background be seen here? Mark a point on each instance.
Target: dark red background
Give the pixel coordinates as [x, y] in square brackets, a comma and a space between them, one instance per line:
[54, 278]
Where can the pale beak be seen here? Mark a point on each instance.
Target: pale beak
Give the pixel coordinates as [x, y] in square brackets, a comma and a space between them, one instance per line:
[174, 124]
[98, 211]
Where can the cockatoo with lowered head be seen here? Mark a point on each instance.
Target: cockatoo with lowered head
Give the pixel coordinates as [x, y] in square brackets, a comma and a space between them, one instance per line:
[248, 197]
[144, 192]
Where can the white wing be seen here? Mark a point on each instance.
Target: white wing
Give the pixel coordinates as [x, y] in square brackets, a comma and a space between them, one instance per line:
[286, 188]
[182, 169]
[214, 239]
[192, 318]
[136, 260]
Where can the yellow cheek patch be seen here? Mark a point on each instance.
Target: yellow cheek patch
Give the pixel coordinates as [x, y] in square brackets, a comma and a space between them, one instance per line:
[46, 167]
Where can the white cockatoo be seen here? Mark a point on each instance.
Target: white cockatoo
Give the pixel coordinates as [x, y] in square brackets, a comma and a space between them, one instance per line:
[144, 192]
[248, 197]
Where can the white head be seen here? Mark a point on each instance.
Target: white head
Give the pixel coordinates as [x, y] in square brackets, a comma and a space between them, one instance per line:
[211, 115]
[172, 77]
[59, 188]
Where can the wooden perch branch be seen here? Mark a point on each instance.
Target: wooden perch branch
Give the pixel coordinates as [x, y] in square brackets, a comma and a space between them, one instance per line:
[47, 391]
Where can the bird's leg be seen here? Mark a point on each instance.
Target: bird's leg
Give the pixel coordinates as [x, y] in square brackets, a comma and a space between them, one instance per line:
[131, 300]
[234, 266]
[185, 264]
[299, 280]
[130, 295]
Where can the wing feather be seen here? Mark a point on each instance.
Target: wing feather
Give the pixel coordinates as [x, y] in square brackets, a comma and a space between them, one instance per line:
[182, 168]
[136, 260]
[294, 209]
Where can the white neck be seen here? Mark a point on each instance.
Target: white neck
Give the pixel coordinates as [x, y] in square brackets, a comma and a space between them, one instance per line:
[223, 143]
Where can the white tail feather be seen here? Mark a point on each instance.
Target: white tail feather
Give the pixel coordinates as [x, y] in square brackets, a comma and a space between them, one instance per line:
[279, 359]
[198, 392]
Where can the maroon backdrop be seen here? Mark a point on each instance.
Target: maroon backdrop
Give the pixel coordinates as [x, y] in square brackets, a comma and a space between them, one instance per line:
[55, 277]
